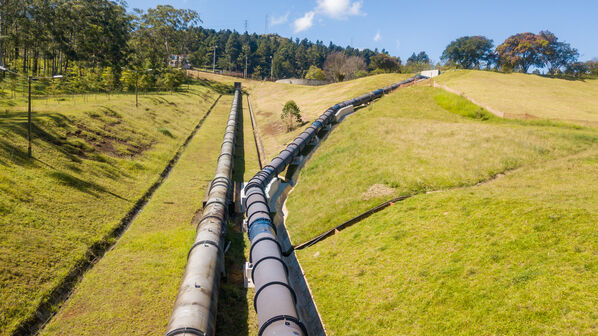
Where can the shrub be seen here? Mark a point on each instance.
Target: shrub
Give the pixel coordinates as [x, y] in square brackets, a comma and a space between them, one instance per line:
[291, 115]
[315, 73]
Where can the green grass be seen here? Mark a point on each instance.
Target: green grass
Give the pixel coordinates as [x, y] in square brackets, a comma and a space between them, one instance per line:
[513, 256]
[92, 161]
[516, 256]
[268, 99]
[133, 288]
[520, 94]
[407, 143]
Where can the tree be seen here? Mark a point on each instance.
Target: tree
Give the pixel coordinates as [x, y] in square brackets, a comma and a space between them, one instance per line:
[353, 64]
[521, 51]
[469, 52]
[315, 73]
[385, 63]
[577, 69]
[593, 67]
[291, 114]
[418, 62]
[333, 66]
[556, 55]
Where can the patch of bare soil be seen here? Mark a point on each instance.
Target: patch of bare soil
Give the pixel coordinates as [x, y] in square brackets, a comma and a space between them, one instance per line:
[273, 128]
[377, 190]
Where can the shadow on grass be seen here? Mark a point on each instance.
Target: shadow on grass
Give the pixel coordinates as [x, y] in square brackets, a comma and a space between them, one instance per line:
[81, 185]
[221, 88]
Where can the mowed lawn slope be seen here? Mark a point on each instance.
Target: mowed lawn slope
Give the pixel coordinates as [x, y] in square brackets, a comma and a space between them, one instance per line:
[518, 94]
[515, 255]
[409, 143]
[268, 99]
[92, 161]
[133, 288]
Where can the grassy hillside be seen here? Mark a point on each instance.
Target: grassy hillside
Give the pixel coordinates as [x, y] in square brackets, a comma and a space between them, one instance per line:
[512, 256]
[422, 143]
[136, 283]
[516, 256]
[92, 161]
[268, 99]
[518, 94]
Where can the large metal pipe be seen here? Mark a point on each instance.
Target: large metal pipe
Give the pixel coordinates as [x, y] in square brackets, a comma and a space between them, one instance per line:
[194, 310]
[274, 298]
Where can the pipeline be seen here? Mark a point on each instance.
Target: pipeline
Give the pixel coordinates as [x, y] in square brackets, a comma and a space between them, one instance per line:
[275, 300]
[194, 311]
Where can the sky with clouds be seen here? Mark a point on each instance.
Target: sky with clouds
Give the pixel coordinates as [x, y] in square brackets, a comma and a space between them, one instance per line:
[401, 27]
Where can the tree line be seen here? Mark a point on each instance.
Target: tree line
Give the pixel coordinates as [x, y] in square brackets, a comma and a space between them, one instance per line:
[97, 45]
[519, 52]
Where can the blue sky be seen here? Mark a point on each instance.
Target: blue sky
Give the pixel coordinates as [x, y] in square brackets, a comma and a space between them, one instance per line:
[401, 27]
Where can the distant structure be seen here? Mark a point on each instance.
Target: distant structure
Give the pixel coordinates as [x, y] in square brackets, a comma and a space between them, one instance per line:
[179, 61]
[430, 73]
[302, 81]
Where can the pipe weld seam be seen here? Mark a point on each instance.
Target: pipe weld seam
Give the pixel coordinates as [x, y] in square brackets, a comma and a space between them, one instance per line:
[259, 291]
[262, 221]
[186, 330]
[205, 242]
[260, 202]
[282, 318]
[219, 218]
[257, 213]
[223, 203]
[221, 155]
[254, 267]
[253, 244]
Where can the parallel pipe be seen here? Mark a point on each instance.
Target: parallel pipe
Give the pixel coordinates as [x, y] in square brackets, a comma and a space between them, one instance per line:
[274, 298]
[194, 310]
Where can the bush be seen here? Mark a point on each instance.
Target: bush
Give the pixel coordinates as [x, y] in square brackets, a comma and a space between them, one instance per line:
[291, 115]
[361, 73]
[315, 73]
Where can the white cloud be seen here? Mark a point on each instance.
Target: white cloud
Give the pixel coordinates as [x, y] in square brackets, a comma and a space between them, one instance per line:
[304, 22]
[279, 20]
[339, 9]
[336, 9]
[377, 37]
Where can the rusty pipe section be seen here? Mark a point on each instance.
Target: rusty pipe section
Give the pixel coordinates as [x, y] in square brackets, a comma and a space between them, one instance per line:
[194, 310]
[274, 298]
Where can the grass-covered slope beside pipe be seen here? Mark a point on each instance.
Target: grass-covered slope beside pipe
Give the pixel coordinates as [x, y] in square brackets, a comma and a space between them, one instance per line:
[275, 299]
[195, 307]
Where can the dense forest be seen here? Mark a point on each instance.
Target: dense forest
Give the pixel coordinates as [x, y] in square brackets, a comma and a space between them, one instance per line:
[100, 45]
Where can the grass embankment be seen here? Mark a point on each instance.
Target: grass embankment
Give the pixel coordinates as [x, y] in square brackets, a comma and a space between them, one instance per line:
[132, 289]
[268, 99]
[407, 143]
[518, 95]
[516, 256]
[512, 256]
[92, 161]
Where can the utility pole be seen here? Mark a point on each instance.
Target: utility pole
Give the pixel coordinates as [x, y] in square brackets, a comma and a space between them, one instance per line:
[214, 61]
[29, 80]
[271, 68]
[245, 75]
[136, 90]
